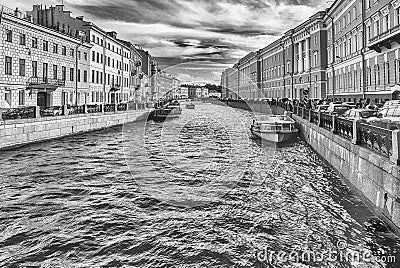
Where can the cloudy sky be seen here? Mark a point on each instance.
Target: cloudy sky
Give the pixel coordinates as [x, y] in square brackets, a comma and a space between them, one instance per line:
[193, 39]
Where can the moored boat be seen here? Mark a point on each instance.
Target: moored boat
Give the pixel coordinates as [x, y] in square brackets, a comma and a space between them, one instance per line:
[170, 110]
[274, 128]
[190, 106]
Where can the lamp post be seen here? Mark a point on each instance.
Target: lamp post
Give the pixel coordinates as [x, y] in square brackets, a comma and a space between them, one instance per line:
[81, 35]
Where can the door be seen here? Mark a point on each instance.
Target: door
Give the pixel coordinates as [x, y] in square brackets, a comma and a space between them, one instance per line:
[42, 99]
[64, 99]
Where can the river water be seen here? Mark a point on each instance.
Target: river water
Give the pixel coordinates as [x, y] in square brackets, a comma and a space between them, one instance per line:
[197, 191]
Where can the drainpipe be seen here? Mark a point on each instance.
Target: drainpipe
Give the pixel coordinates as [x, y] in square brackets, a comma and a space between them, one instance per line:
[309, 60]
[364, 45]
[333, 56]
[284, 67]
[292, 71]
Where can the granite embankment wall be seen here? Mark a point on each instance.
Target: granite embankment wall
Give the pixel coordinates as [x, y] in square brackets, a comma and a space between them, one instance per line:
[374, 177]
[19, 132]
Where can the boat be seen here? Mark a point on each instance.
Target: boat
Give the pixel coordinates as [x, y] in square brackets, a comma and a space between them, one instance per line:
[274, 128]
[190, 106]
[169, 110]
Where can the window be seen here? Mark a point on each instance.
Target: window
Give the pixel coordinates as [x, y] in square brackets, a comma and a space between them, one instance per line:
[45, 45]
[85, 74]
[55, 48]
[350, 46]
[34, 69]
[93, 56]
[21, 67]
[354, 12]
[22, 39]
[9, 36]
[93, 38]
[377, 75]
[79, 55]
[98, 57]
[64, 73]
[387, 67]
[79, 75]
[85, 56]
[71, 52]
[369, 32]
[397, 16]
[55, 76]
[316, 40]
[386, 23]
[8, 67]
[64, 51]
[34, 42]
[377, 28]
[71, 74]
[21, 97]
[45, 70]
[97, 77]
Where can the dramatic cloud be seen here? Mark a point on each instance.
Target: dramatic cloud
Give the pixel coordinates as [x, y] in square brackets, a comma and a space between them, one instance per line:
[189, 33]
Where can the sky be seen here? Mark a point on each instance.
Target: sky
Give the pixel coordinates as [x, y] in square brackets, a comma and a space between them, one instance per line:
[194, 40]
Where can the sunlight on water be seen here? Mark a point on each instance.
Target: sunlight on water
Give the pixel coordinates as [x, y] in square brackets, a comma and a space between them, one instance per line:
[198, 191]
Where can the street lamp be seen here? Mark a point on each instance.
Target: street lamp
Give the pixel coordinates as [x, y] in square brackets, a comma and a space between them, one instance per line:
[81, 35]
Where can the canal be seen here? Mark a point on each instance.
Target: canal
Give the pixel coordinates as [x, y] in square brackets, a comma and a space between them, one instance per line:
[197, 191]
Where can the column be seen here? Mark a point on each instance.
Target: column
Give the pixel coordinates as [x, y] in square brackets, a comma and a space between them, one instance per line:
[301, 67]
[307, 67]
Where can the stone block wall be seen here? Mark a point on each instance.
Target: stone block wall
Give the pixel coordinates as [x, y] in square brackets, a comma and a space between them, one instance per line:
[24, 131]
[374, 177]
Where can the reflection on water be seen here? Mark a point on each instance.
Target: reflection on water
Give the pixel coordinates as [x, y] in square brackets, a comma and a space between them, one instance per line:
[198, 191]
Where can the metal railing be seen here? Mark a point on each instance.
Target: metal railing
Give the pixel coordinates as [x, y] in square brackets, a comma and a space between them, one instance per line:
[76, 109]
[36, 111]
[376, 138]
[326, 121]
[18, 113]
[344, 128]
[94, 108]
[110, 107]
[314, 117]
[122, 107]
[45, 81]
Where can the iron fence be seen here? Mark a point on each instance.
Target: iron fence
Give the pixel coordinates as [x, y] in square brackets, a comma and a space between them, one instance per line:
[376, 138]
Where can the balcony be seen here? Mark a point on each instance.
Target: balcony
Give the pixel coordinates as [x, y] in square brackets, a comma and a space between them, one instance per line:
[45, 83]
[384, 39]
[115, 87]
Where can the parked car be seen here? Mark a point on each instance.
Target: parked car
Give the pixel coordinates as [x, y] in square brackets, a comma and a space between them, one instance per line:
[337, 109]
[321, 108]
[391, 103]
[51, 111]
[359, 114]
[387, 117]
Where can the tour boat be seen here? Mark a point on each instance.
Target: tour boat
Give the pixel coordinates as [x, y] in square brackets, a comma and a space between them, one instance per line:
[190, 106]
[274, 128]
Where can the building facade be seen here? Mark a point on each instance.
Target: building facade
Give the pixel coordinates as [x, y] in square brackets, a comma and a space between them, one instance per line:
[294, 66]
[363, 50]
[42, 67]
[348, 52]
